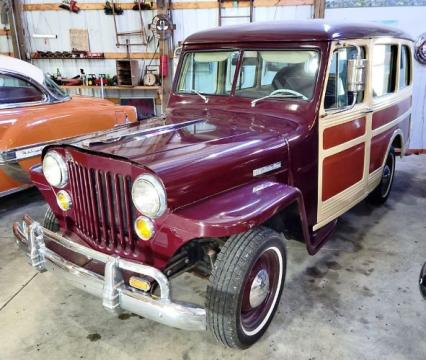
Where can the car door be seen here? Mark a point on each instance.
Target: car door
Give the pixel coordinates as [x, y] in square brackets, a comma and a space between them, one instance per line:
[16, 96]
[391, 100]
[343, 137]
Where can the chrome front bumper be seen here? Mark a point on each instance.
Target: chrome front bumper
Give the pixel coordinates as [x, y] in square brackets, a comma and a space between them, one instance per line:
[115, 294]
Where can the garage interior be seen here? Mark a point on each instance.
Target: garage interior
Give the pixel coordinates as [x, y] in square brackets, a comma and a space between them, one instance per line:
[357, 298]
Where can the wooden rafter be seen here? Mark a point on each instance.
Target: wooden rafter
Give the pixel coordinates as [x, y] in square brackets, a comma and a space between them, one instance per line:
[176, 6]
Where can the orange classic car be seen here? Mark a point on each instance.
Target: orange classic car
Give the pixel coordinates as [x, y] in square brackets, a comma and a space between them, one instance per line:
[35, 112]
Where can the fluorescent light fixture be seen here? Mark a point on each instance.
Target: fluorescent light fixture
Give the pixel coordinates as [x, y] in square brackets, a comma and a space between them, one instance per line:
[44, 36]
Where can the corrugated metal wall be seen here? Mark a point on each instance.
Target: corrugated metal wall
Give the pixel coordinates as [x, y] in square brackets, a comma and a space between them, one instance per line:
[6, 46]
[102, 36]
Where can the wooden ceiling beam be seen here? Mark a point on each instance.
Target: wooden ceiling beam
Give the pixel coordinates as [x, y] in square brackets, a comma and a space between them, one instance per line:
[175, 6]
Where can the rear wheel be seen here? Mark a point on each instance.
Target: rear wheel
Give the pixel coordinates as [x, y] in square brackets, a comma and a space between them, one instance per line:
[381, 193]
[245, 287]
[50, 221]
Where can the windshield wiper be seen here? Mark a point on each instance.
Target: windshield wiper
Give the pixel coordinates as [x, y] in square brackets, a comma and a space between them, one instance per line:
[206, 100]
[280, 93]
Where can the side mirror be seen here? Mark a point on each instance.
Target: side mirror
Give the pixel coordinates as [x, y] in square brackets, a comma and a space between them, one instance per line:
[356, 74]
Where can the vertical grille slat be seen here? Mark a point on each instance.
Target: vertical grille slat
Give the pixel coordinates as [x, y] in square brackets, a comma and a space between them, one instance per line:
[128, 212]
[89, 215]
[80, 189]
[101, 204]
[119, 211]
[77, 205]
[95, 217]
[102, 207]
[110, 210]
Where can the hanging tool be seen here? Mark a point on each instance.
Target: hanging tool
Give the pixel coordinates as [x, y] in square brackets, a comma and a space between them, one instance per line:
[221, 8]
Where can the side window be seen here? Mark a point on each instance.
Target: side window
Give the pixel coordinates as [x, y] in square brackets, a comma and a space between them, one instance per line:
[336, 94]
[384, 69]
[14, 91]
[405, 67]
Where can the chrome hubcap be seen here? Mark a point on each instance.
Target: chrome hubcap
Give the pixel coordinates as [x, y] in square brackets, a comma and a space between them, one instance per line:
[386, 173]
[386, 179]
[259, 288]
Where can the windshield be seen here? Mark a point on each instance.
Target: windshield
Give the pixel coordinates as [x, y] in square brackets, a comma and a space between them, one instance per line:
[210, 73]
[54, 88]
[292, 72]
[284, 73]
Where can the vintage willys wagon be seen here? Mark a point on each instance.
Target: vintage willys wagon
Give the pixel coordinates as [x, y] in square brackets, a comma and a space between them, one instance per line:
[267, 124]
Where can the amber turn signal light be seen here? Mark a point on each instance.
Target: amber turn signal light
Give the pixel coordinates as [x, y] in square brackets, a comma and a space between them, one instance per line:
[144, 228]
[64, 200]
[139, 283]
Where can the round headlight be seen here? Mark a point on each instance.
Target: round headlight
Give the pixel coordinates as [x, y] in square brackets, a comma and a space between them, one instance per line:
[55, 169]
[149, 196]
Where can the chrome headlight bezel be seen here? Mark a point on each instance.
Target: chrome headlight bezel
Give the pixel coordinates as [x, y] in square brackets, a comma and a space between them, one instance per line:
[158, 187]
[62, 168]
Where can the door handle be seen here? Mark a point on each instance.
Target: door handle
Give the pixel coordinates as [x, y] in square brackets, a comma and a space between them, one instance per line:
[367, 111]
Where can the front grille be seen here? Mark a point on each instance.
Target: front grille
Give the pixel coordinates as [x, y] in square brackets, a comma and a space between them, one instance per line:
[102, 207]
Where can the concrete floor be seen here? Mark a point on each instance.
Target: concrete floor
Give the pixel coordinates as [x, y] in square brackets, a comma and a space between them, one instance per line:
[356, 299]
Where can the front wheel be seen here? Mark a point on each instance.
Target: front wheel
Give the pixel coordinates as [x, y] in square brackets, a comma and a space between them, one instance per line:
[381, 193]
[245, 287]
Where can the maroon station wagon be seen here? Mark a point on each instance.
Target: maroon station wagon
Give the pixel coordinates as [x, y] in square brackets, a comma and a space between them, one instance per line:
[271, 128]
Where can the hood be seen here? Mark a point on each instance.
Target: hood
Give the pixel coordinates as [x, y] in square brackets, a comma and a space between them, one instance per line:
[202, 154]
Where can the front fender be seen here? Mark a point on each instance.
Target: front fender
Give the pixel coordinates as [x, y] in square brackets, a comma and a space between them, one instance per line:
[236, 210]
[231, 212]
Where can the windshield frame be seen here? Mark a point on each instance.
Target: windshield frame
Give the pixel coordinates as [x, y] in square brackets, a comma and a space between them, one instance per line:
[238, 69]
[59, 96]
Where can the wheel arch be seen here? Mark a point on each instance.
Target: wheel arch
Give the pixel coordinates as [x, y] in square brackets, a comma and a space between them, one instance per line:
[396, 141]
[239, 210]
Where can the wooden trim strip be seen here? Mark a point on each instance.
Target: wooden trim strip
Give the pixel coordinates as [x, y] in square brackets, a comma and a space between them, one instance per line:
[5, 32]
[112, 55]
[143, 55]
[175, 6]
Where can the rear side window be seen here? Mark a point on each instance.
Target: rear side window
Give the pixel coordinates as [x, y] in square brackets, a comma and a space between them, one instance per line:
[16, 91]
[384, 69]
[405, 67]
